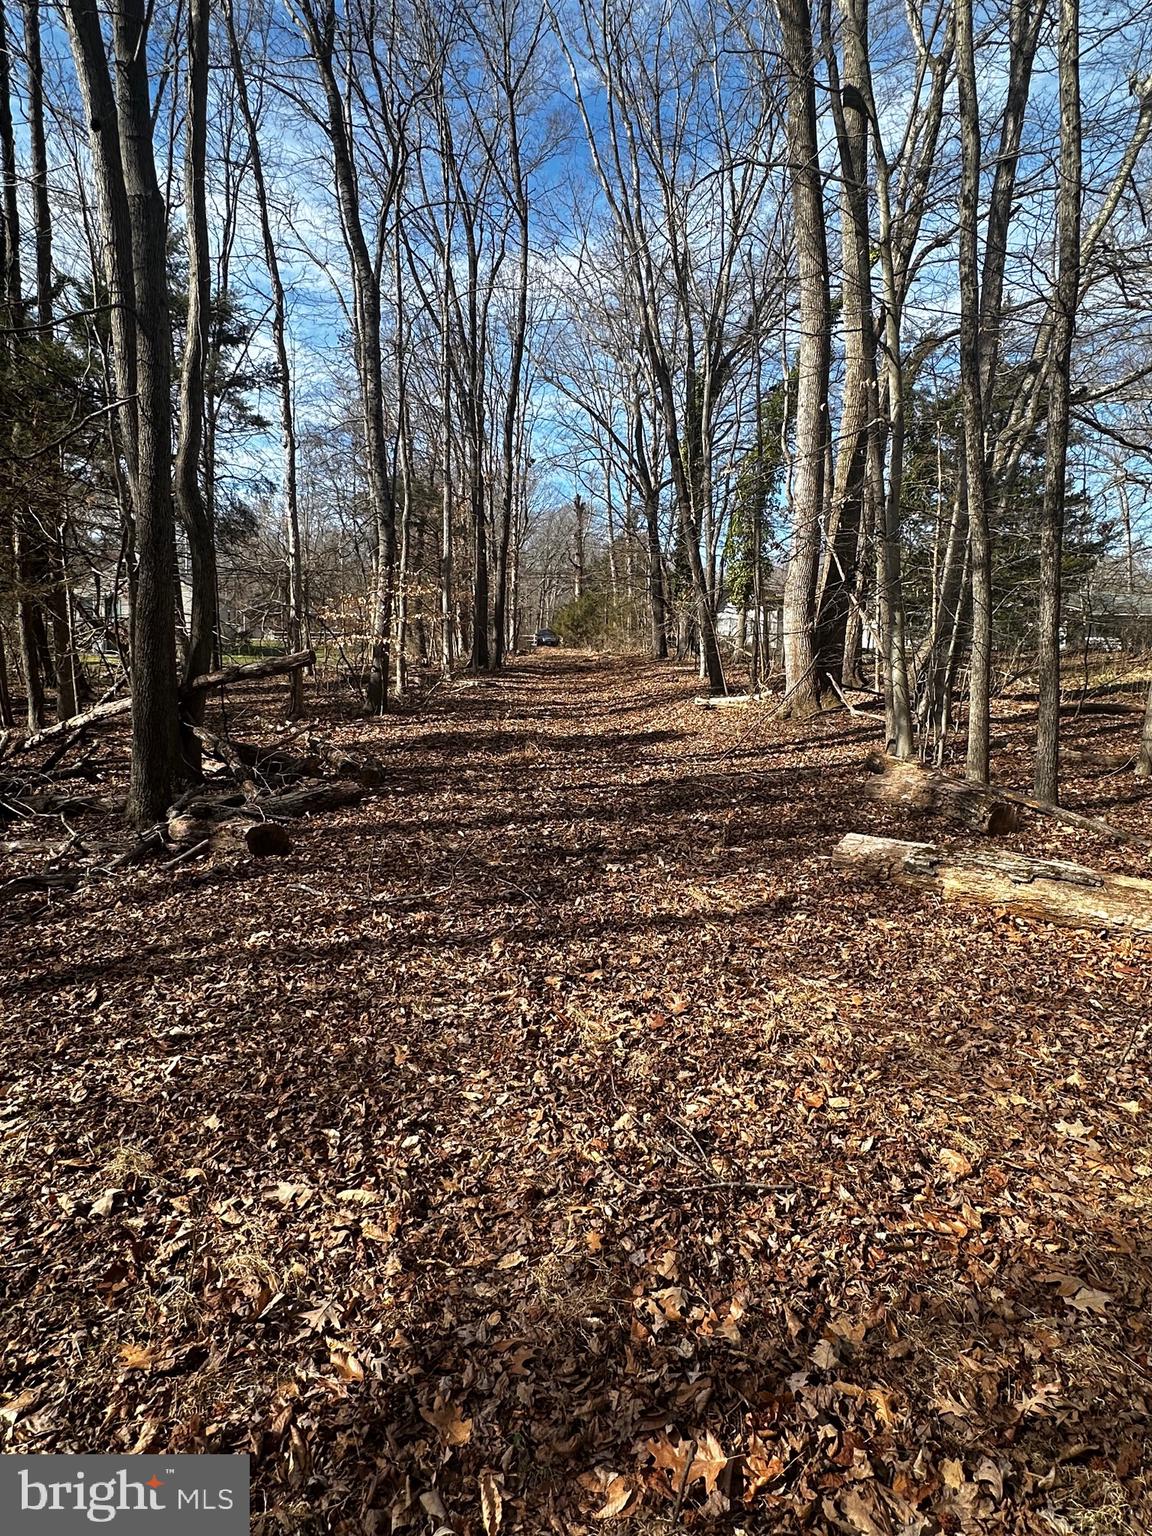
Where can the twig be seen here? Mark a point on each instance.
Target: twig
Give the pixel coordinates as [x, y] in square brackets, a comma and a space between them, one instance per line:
[684, 1481]
[188, 853]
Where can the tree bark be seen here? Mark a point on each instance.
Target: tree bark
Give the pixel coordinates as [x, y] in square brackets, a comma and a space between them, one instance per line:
[190, 500]
[1144, 760]
[807, 483]
[1046, 779]
[1046, 890]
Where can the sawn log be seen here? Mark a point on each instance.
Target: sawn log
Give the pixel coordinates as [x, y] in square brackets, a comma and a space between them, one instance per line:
[925, 789]
[1049, 890]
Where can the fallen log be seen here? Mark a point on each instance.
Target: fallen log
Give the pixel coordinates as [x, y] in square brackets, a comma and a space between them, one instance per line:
[196, 818]
[266, 759]
[309, 797]
[272, 666]
[1071, 895]
[730, 700]
[917, 788]
[106, 711]
[45, 880]
[904, 779]
[261, 838]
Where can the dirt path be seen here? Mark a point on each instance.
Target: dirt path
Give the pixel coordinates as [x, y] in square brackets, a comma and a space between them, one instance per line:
[559, 1109]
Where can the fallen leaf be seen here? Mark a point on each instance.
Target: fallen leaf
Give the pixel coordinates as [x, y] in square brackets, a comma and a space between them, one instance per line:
[453, 1427]
[1088, 1300]
[953, 1474]
[137, 1357]
[348, 1367]
[491, 1502]
[861, 1516]
[620, 1492]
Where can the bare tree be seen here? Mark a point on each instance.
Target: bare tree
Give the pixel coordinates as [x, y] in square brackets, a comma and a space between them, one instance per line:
[342, 89]
[190, 500]
[122, 151]
[1046, 778]
[296, 614]
[802, 684]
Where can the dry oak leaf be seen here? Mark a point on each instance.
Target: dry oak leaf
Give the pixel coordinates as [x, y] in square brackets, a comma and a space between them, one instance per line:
[823, 1355]
[446, 1417]
[955, 1162]
[348, 1367]
[862, 1517]
[953, 1474]
[137, 1357]
[1088, 1300]
[15, 1406]
[491, 1502]
[707, 1459]
[618, 1495]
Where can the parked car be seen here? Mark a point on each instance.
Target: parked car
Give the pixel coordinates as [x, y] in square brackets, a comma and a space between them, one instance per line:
[547, 637]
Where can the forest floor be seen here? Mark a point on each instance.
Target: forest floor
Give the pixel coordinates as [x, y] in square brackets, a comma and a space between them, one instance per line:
[557, 1141]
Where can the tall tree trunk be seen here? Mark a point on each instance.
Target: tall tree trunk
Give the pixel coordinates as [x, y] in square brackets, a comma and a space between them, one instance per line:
[646, 475]
[1144, 760]
[519, 342]
[296, 602]
[1046, 778]
[7, 718]
[859, 409]
[658, 607]
[41, 210]
[579, 513]
[190, 501]
[447, 621]
[155, 722]
[802, 682]
[971, 398]
[27, 563]
[317, 20]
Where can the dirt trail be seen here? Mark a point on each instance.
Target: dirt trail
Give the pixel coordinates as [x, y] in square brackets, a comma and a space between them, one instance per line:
[560, 1108]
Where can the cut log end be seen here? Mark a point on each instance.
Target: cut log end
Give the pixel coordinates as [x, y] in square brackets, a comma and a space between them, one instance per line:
[267, 839]
[927, 791]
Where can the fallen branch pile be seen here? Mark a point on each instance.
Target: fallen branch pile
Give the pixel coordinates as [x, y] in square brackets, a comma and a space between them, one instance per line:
[250, 795]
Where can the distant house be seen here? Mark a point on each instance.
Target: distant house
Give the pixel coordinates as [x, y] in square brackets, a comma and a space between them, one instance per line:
[104, 610]
[1102, 615]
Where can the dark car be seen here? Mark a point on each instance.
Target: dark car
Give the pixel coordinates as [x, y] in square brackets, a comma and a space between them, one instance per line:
[547, 637]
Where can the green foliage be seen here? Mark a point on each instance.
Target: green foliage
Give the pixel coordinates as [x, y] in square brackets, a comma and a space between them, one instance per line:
[585, 620]
[933, 454]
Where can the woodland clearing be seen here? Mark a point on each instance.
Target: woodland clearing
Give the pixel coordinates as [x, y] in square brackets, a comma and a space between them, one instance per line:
[557, 1141]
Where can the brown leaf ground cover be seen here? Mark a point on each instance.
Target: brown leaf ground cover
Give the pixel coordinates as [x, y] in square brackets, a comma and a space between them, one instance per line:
[557, 1142]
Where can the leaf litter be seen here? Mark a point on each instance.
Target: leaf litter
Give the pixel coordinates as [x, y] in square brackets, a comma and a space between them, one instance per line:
[556, 1142]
